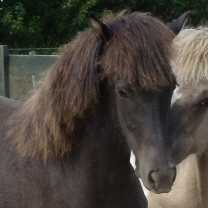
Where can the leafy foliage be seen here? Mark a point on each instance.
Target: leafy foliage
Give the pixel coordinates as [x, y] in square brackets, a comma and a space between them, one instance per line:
[51, 23]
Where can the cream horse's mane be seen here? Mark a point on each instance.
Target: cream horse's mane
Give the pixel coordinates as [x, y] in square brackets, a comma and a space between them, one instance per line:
[191, 63]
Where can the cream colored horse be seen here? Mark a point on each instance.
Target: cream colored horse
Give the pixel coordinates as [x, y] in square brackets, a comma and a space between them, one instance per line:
[189, 127]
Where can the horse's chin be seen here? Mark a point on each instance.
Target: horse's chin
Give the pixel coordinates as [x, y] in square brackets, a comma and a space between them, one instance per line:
[157, 191]
[163, 191]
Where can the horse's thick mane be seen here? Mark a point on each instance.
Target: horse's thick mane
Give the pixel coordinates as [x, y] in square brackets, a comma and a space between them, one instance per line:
[138, 52]
[191, 63]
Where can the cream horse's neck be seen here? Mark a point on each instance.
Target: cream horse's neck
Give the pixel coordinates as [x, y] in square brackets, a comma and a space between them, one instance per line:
[190, 189]
[202, 178]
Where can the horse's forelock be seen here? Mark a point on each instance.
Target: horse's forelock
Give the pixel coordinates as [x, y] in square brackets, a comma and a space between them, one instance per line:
[139, 51]
[191, 62]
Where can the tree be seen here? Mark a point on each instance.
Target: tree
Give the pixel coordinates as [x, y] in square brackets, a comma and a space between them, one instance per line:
[51, 23]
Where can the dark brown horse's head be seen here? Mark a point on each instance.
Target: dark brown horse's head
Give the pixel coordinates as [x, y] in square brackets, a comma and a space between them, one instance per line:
[143, 84]
[127, 56]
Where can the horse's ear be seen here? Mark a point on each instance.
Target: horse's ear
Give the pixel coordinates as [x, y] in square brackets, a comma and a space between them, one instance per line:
[177, 25]
[99, 28]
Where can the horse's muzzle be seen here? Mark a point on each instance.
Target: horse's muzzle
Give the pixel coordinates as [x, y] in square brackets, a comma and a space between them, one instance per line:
[161, 179]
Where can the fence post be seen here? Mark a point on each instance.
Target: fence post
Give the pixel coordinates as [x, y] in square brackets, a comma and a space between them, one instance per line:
[34, 76]
[4, 71]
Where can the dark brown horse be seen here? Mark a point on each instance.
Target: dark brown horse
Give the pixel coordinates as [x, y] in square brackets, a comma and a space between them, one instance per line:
[69, 144]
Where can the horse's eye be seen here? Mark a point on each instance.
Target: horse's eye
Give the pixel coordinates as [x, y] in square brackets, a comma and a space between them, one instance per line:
[122, 93]
[204, 102]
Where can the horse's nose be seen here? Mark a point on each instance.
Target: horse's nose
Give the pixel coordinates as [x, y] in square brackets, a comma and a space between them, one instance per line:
[161, 180]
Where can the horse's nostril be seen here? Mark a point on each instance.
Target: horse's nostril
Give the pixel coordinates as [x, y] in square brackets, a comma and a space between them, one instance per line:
[151, 180]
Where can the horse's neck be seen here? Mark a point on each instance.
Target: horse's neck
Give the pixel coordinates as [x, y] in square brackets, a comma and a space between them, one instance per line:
[104, 157]
[187, 184]
[193, 177]
[202, 177]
